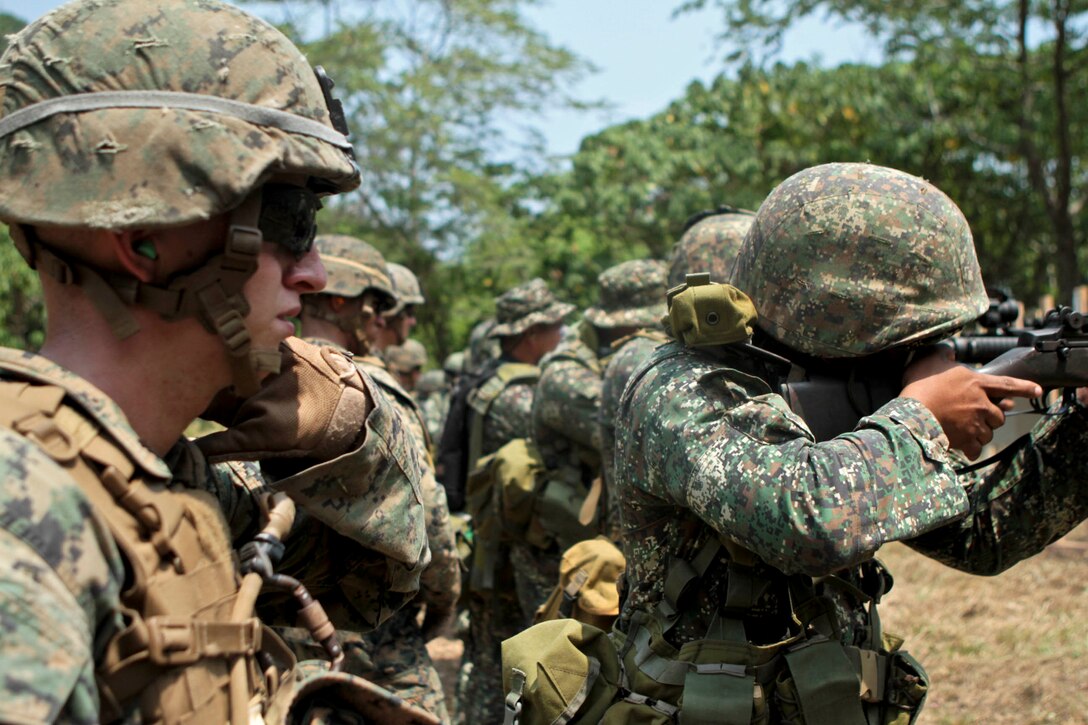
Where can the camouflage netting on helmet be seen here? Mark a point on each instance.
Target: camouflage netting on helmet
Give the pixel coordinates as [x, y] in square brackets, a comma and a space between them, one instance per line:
[846, 260]
[150, 167]
[709, 245]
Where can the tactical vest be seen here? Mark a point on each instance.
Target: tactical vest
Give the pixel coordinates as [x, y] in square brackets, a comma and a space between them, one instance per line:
[171, 662]
[807, 677]
[484, 396]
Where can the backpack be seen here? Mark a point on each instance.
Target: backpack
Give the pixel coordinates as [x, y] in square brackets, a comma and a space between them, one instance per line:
[460, 448]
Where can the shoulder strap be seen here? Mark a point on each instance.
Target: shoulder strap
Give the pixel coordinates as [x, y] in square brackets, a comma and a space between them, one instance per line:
[481, 399]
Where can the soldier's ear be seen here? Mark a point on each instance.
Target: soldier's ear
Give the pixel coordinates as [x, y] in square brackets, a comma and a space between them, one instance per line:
[135, 252]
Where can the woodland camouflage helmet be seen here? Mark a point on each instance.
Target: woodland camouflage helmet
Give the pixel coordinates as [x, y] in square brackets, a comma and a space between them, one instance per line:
[710, 243]
[353, 268]
[121, 114]
[406, 286]
[143, 114]
[846, 260]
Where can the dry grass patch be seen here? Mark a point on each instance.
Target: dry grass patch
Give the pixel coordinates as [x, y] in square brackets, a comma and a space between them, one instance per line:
[1007, 649]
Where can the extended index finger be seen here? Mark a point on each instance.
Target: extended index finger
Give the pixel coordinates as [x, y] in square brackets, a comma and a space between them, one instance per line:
[1002, 386]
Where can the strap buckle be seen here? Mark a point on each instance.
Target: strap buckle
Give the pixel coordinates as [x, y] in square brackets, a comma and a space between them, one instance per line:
[183, 641]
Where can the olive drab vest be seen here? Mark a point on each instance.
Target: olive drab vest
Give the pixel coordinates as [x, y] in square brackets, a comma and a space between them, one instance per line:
[171, 661]
[807, 677]
[481, 399]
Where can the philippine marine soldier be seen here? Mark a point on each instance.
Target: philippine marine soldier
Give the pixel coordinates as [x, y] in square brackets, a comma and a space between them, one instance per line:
[709, 244]
[499, 409]
[745, 532]
[345, 316]
[161, 166]
[565, 420]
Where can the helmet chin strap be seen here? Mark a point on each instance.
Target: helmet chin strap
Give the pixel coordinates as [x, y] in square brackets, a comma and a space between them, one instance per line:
[212, 293]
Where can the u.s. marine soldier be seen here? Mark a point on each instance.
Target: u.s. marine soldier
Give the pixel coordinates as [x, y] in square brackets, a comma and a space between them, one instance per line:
[406, 362]
[161, 163]
[529, 322]
[345, 315]
[396, 324]
[708, 244]
[746, 533]
[566, 419]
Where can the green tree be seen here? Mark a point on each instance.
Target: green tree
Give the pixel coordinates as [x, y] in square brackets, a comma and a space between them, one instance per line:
[22, 312]
[441, 98]
[1032, 57]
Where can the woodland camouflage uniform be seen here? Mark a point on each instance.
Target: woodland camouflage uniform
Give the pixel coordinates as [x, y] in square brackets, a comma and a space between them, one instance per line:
[566, 408]
[70, 543]
[494, 615]
[395, 655]
[712, 451]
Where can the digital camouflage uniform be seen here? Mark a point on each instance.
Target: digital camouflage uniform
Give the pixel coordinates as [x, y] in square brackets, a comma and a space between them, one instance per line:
[495, 615]
[566, 409]
[433, 395]
[398, 649]
[709, 244]
[713, 451]
[395, 655]
[87, 507]
[65, 574]
[629, 353]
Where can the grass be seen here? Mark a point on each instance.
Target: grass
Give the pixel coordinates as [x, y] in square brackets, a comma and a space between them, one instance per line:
[1006, 649]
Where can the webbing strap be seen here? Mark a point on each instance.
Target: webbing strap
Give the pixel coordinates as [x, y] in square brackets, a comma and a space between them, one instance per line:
[583, 692]
[657, 668]
[178, 641]
[681, 574]
[570, 592]
[102, 100]
[827, 684]
[717, 694]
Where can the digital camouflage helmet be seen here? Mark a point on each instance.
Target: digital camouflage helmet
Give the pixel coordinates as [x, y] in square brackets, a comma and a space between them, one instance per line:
[845, 260]
[710, 243]
[110, 123]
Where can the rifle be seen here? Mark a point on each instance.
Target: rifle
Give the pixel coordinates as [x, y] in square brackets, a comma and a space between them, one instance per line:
[1054, 355]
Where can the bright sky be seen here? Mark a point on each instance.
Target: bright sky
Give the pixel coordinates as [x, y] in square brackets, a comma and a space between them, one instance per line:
[644, 57]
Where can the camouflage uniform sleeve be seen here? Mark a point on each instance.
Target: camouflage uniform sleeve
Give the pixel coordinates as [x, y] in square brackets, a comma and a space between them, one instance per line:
[1021, 505]
[510, 417]
[440, 584]
[722, 446]
[60, 582]
[566, 404]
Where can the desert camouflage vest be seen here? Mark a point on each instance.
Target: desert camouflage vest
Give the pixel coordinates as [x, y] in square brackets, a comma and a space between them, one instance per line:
[171, 662]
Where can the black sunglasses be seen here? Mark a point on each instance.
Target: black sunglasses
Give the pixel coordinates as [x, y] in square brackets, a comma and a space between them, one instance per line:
[289, 217]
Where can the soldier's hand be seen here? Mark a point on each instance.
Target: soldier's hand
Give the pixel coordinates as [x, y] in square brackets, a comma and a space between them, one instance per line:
[314, 408]
[967, 404]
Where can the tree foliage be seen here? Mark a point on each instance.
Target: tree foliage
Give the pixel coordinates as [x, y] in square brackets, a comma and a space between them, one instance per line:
[1024, 61]
[441, 99]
